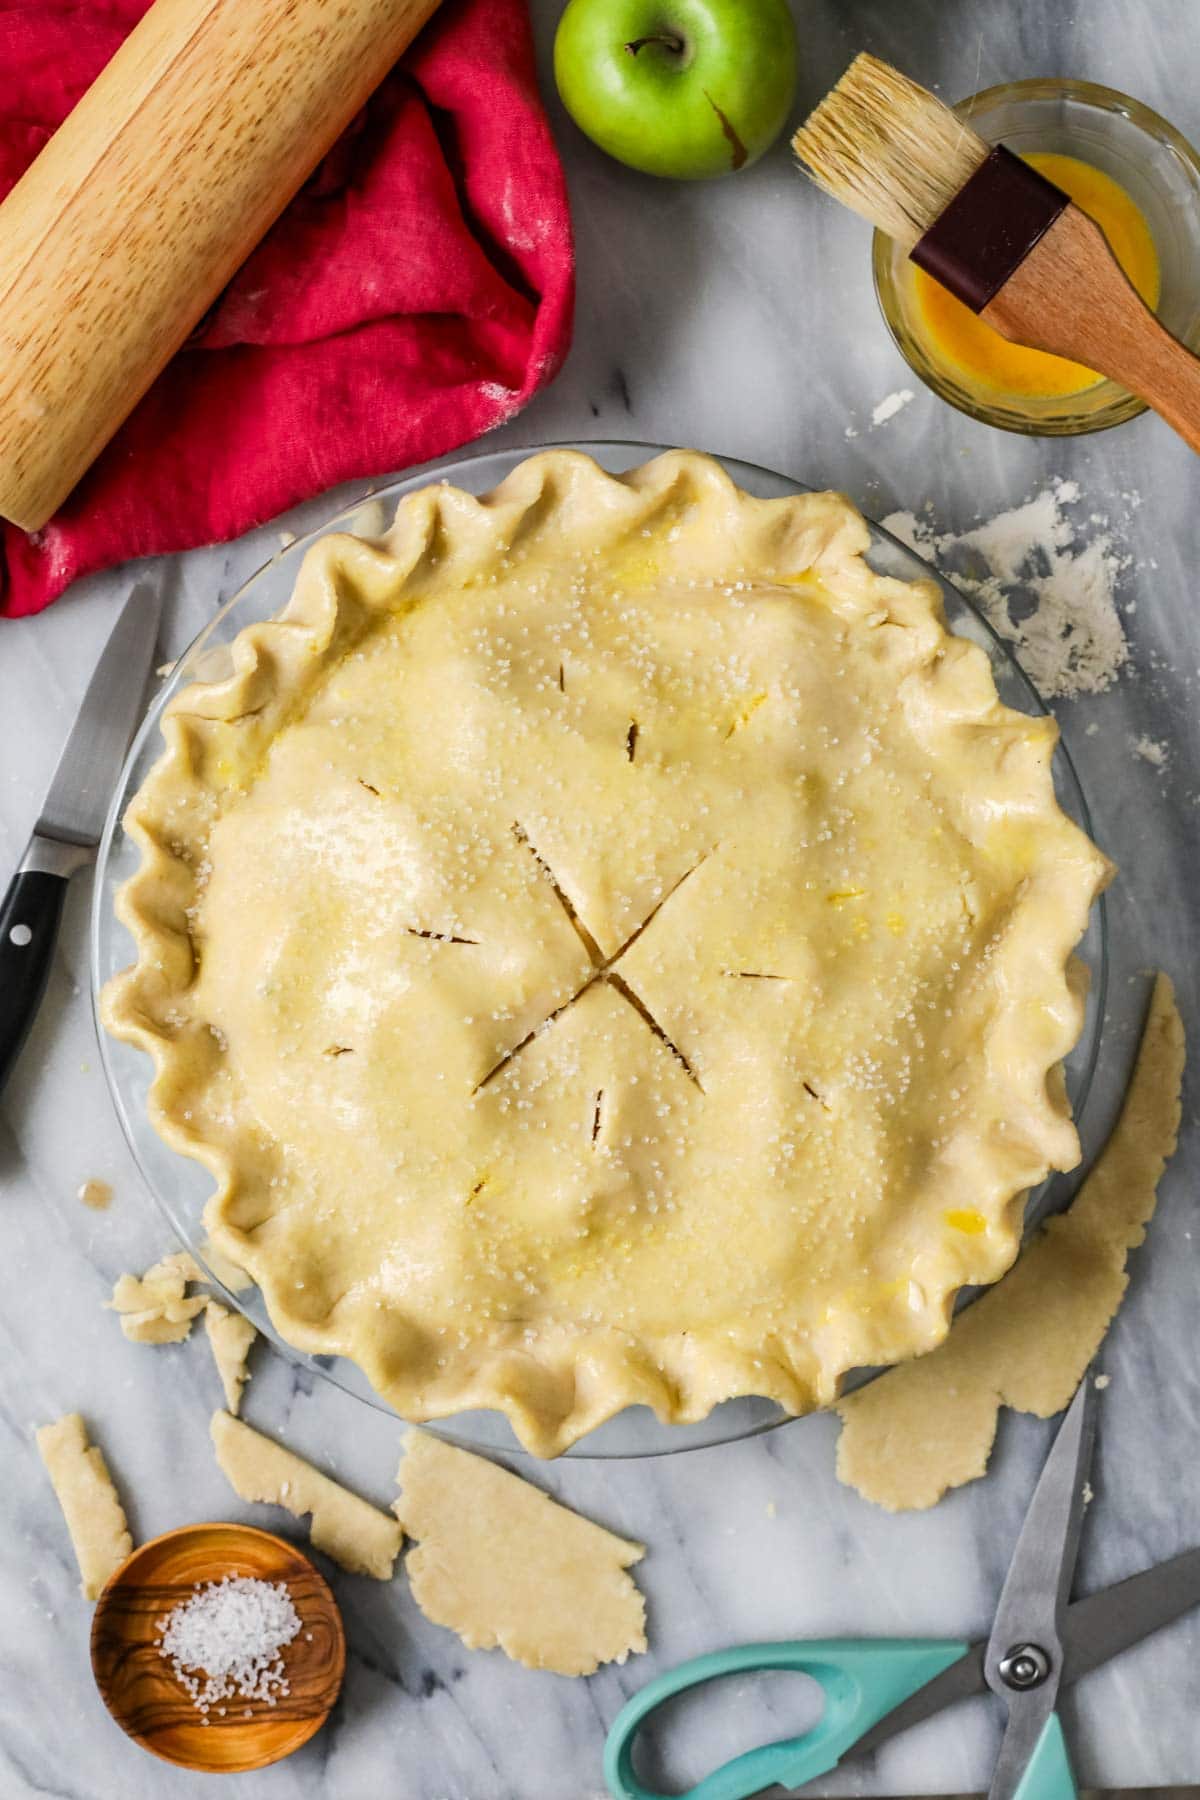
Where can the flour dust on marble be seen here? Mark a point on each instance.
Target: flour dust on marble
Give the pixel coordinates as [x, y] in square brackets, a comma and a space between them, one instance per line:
[1048, 581]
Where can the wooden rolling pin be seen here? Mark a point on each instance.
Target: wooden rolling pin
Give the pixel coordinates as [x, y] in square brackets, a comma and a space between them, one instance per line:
[149, 197]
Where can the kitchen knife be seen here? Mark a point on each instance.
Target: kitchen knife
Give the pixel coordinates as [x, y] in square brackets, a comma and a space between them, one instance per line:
[68, 831]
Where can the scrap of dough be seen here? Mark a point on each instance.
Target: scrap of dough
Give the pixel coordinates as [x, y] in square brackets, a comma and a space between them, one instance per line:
[156, 1309]
[929, 1425]
[356, 1534]
[501, 1563]
[84, 1489]
[168, 1277]
[230, 1336]
[154, 1327]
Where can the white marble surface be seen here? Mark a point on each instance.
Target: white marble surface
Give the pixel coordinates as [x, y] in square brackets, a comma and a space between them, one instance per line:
[738, 318]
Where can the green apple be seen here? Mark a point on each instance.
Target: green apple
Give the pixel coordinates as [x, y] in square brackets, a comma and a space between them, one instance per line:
[688, 88]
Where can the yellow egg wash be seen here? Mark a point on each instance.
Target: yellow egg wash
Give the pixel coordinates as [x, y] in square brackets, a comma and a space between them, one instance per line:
[990, 361]
[970, 1223]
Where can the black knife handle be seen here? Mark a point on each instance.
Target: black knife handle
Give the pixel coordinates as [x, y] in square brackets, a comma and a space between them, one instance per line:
[29, 919]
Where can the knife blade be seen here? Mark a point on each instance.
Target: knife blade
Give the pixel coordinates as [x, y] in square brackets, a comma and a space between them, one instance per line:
[68, 830]
[77, 802]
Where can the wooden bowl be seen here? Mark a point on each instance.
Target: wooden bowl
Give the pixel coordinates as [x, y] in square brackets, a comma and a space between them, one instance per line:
[138, 1687]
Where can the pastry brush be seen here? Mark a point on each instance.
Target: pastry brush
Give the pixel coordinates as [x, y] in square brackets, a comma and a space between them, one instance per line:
[993, 231]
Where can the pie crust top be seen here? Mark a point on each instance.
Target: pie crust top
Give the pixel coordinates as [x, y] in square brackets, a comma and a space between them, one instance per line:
[609, 945]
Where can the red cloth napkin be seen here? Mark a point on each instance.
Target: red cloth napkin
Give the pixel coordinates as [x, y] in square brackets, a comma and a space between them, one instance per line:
[414, 294]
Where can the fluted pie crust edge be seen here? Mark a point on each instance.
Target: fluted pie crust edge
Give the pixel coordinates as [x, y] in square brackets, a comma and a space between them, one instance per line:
[621, 1173]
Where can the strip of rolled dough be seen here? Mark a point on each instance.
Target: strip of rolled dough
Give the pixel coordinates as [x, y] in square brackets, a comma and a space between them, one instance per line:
[355, 1533]
[929, 1425]
[502, 1564]
[230, 1337]
[84, 1489]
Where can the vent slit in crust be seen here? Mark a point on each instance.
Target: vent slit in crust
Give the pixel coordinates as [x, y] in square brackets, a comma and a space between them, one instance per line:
[563, 898]
[643, 1012]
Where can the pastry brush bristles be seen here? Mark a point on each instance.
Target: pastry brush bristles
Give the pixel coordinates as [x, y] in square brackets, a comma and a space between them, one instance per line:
[888, 149]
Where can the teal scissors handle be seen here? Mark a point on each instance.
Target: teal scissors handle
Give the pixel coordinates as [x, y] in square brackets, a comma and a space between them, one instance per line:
[1048, 1773]
[863, 1679]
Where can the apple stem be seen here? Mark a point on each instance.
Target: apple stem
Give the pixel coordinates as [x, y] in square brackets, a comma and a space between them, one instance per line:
[674, 44]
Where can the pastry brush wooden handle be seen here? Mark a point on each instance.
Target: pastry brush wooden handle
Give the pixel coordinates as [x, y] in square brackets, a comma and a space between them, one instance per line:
[148, 198]
[1070, 296]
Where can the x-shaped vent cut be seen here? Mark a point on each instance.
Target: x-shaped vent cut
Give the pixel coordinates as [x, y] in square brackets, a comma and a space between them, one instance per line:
[603, 968]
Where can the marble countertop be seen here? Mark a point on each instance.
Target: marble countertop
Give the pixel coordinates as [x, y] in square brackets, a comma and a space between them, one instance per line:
[738, 318]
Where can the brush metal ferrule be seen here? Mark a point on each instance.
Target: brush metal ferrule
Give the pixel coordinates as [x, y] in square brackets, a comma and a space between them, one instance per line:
[989, 228]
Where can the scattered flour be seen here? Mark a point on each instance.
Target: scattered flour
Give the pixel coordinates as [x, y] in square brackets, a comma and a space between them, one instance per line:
[890, 405]
[1150, 751]
[1049, 592]
[507, 400]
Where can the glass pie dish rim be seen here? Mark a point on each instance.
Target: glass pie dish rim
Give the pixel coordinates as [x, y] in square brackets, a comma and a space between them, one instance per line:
[168, 1176]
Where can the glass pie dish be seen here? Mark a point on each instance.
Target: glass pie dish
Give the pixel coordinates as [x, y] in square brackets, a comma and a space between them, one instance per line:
[181, 1187]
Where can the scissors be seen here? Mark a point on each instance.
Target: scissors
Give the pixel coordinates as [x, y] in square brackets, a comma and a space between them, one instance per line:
[875, 1688]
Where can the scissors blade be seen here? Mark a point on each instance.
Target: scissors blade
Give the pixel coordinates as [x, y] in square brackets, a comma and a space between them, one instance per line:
[1032, 1612]
[1033, 1600]
[1027, 1718]
[1097, 1628]
[959, 1682]
[1104, 1624]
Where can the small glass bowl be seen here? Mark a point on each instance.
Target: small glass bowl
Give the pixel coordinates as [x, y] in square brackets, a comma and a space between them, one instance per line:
[1158, 169]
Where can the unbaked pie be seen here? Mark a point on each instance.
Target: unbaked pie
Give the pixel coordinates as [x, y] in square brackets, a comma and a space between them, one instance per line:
[609, 945]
